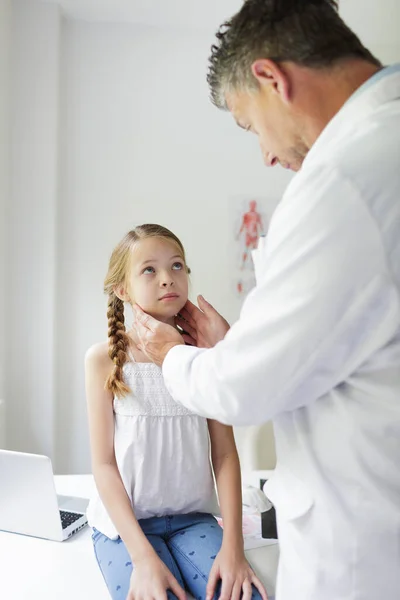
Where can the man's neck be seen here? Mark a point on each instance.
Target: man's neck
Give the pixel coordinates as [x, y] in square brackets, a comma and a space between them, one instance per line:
[330, 91]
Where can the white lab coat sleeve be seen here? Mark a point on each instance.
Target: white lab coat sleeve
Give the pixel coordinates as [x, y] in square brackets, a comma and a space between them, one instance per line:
[324, 302]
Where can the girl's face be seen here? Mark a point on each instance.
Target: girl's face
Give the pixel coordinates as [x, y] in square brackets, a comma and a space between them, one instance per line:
[158, 280]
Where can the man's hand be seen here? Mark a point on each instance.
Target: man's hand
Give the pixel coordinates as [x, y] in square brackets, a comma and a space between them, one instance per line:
[203, 327]
[155, 338]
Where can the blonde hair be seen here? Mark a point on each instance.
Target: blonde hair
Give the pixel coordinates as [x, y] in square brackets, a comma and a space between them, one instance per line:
[117, 275]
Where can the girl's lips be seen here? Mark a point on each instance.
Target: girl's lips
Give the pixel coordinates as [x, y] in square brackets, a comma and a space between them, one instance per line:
[169, 297]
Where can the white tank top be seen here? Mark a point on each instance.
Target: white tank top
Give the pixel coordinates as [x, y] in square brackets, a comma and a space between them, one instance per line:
[162, 452]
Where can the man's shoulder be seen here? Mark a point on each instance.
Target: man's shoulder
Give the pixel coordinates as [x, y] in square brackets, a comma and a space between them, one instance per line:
[320, 199]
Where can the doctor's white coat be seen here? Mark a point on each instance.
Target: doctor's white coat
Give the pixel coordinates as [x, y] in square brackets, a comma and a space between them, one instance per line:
[317, 350]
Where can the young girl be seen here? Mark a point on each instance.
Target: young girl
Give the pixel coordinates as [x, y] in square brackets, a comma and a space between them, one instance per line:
[153, 530]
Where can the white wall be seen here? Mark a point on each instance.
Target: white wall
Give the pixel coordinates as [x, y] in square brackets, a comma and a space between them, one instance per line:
[141, 143]
[31, 227]
[5, 24]
[377, 24]
[138, 141]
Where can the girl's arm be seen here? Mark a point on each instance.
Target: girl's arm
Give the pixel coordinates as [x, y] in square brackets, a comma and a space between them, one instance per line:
[226, 467]
[230, 566]
[105, 470]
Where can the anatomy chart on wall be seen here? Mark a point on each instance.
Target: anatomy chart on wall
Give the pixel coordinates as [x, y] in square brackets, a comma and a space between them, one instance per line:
[250, 218]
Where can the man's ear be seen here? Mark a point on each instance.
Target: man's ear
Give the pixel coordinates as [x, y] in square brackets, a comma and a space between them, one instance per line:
[121, 293]
[271, 74]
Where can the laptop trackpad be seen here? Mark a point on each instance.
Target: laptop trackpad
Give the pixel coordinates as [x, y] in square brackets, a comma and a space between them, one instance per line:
[72, 503]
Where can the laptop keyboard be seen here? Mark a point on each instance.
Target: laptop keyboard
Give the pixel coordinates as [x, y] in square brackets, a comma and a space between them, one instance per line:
[67, 518]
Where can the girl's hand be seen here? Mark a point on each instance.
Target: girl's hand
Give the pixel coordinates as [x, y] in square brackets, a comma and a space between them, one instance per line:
[151, 579]
[232, 568]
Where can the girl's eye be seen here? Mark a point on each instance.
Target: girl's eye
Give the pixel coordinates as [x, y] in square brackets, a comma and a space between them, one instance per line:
[148, 270]
[178, 266]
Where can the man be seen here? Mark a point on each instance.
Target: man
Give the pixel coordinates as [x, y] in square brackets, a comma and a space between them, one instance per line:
[317, 345]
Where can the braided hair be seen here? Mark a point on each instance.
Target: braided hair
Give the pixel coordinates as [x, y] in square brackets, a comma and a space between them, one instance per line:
[118, 344]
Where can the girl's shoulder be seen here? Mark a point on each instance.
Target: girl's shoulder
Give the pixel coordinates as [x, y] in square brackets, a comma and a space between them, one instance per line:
[97, 357]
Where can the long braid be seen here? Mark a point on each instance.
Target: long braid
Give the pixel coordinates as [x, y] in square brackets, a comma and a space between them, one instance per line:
[118, 345]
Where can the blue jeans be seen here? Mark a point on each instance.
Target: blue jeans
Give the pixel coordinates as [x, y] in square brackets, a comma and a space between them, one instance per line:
[187, 544]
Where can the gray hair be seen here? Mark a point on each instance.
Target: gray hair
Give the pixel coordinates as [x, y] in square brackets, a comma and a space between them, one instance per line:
[307, 32]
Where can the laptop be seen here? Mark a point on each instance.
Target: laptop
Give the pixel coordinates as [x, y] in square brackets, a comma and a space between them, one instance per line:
[29, 504]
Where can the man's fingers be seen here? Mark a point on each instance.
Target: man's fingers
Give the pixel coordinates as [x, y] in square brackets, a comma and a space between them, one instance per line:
[140, 323]
[204, 305]
[141, 329]
[184, 314]
[189, 340]
[191, 309]
[144, 319]
[186, 327]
